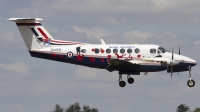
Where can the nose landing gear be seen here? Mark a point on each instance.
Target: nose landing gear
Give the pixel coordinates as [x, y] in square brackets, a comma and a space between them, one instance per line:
[190, 82]
[123, 83]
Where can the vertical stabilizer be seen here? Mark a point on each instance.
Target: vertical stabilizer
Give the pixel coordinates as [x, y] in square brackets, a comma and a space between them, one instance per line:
[32, 31]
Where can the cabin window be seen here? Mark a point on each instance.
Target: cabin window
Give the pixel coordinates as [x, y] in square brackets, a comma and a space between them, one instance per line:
[153, 51]
[115, 50]
[96, 50]
[122, 51]
[83, 50]
[137, 50]
[129, 51]
[108, 51]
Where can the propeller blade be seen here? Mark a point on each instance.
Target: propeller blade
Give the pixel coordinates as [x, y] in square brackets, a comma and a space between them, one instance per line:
[172, 53]
[179, 50]
[172, 61]
[171, 72]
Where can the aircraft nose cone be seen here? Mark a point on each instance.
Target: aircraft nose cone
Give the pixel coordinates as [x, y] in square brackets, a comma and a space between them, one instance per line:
[193, 62]
[188, 60]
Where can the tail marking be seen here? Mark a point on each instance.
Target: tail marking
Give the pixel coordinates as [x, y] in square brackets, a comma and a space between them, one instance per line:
[33, 30]
[29, 24]
[45, 36]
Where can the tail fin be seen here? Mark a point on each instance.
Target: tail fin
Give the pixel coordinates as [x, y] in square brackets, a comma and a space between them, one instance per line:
[34, 34]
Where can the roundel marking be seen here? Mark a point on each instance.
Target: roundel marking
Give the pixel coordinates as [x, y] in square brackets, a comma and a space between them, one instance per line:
[69, 54]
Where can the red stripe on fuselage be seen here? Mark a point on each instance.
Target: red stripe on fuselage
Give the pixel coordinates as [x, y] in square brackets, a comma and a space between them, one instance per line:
[28, 24]
[45, 36]
[58, 41]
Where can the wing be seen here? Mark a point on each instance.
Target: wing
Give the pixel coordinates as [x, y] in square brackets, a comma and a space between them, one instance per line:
[134, 65]
[117, 64]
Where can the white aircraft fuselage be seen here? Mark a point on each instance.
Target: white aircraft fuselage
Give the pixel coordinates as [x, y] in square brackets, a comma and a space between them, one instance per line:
[105, 53]
[129, 59]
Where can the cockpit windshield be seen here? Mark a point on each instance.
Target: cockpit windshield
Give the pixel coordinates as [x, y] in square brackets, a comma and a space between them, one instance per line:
[162, 50]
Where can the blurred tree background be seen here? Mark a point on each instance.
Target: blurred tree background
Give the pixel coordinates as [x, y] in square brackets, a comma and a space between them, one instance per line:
[184, 108]
[196, 110]
[75, 108]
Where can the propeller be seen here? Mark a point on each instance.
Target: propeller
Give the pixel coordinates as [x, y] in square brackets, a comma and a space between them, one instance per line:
[179, 52]
[172, 62]
[172, 53]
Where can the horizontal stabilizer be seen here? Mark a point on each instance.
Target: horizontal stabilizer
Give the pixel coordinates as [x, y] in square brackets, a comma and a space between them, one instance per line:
[25, 19]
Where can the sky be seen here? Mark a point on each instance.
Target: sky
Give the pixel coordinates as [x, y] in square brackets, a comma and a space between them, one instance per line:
[33, 84]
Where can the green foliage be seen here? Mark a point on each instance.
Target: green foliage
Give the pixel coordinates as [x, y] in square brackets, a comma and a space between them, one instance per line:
[87, 109]
[73, 108]
[58, 108]
[76, 108]
[183, 108]
[94, 110]
[196, 110]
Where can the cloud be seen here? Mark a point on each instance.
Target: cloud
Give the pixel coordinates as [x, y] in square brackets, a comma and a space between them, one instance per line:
[168, 34]
[114, 6]
[111, 20]
[85, 73]
[149, 37]
[141, 35]
[93, 33]
[16, 67]
[96, 12]
[197, 42]
[7, 36]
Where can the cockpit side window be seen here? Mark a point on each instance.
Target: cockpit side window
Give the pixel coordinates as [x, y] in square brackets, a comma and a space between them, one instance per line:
[158, 51]
[162, 50]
